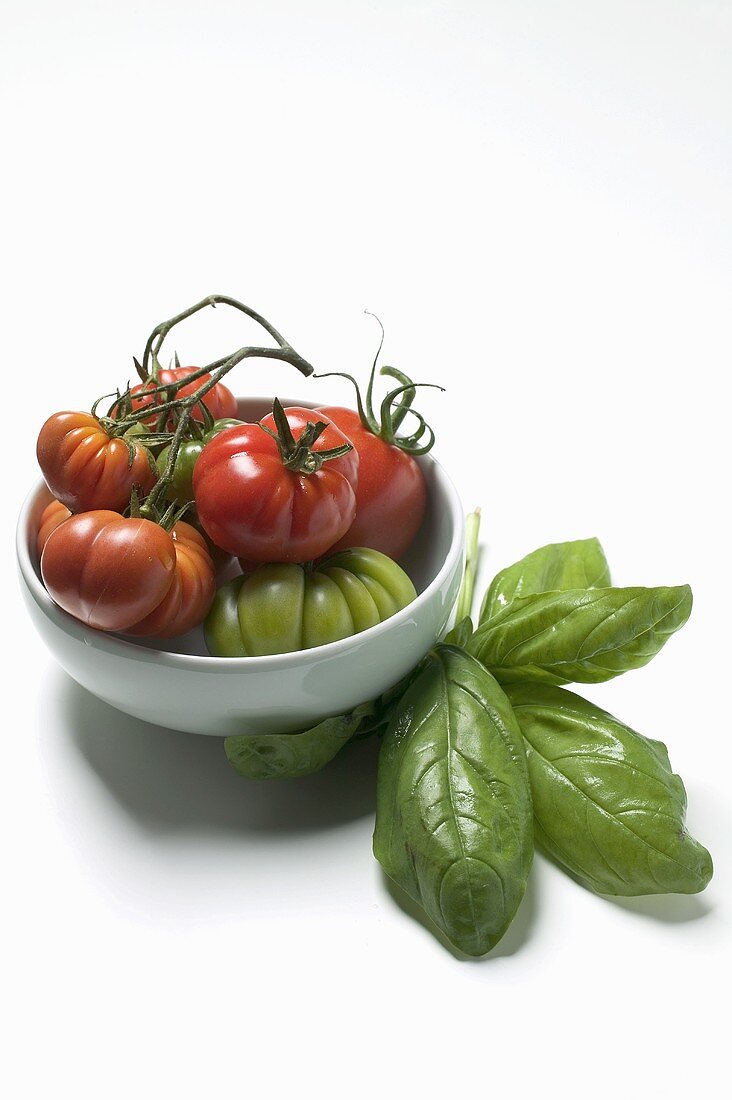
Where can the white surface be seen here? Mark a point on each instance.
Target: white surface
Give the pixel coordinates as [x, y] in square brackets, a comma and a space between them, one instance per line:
[536, 200]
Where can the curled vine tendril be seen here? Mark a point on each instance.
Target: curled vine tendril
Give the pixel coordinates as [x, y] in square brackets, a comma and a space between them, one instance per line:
[396, 405]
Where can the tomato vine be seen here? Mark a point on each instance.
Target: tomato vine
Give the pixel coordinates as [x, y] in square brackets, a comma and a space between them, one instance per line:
[183, 407]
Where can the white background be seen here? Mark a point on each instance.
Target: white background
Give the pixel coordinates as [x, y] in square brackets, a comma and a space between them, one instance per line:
[535, 198]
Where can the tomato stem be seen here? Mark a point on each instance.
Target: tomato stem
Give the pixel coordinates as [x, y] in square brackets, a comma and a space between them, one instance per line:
[159, 333]
[297, 454]
[184, 407]
[392, 411]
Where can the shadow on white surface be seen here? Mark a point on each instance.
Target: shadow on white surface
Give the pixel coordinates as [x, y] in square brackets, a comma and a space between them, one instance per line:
[669, 908]
[170, 781]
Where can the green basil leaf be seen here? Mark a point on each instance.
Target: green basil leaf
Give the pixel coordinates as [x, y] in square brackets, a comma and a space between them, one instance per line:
[453, 809]
[290, 755]
[607, 806]
[460, 634]
[553, 568]
[585, 635]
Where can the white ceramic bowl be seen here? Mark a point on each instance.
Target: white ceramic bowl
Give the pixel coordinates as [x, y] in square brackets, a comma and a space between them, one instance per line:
[188, 690]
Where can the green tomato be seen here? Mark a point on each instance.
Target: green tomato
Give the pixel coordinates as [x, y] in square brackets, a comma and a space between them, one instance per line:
[221, 426]
[286, 608]
[181, 484]
[134, 432]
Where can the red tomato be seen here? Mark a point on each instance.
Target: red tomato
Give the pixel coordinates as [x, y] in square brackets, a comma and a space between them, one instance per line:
[128, 575]
[106, 570]
[391, 494]
[189, 598]
[252, 505]
[219, 400]
[53, 514]
[219, 557]
[85, 468]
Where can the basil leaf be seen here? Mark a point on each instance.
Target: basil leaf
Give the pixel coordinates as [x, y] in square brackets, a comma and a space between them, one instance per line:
[453, 810]
[586, 635]
[290, 755]
[460, 634]
[607, 806]
[553, 568]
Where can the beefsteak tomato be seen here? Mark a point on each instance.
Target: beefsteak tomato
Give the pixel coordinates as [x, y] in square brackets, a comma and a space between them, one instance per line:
[267, 496]
[128, 575]
[191, 593]
[53, 514]
[285, 608]
[86, 469]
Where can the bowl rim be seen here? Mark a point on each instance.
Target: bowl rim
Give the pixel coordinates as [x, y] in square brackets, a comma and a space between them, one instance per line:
[120, 647]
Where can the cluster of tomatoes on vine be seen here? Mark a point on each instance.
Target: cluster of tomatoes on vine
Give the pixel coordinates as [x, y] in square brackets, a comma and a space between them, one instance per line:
[153, 496]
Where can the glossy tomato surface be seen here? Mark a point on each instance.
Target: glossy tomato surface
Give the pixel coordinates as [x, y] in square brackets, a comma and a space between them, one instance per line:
[285, 608]
[219, 557]
[180, 487]
[391, 495]
[51, 516]
[219, 400]
[189, 597]
[108, 571]
[86, 469]
[253, 506]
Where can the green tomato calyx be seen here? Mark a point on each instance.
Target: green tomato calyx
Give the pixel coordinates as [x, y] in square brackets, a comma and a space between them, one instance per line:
[394, 407]
[297, 454]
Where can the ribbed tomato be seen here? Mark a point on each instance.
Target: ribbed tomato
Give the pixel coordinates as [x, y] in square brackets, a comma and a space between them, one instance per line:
[284, 608]
[53, 514]
[189, 598]
[108, 571]
[219, 400]
[128, 575]
[279, 491]
[85, 468]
